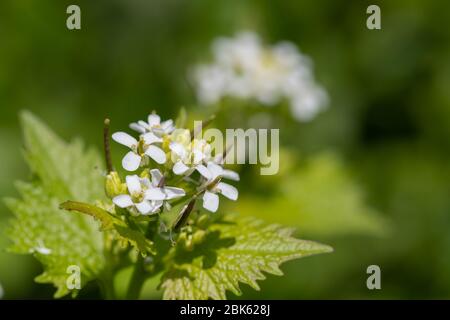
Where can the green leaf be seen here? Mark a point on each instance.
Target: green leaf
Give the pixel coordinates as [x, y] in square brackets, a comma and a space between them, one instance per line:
[136, 239]
[320, 198]
[106, 219]
[234, 252]
[57, 239]
[108, 222]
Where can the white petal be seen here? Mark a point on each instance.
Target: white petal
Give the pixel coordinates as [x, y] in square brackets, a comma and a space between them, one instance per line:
[180, 168]
[229, 174]
[156, 176]
[228, 190]
[150, 138]
[168, 126]
[136, 127]
[153, 120]
[203, 171]
[155, 194]
[172, 192]
[143, 124]
[131, 161]
[144, 207]
[156, 154]
[198, 156]
[133, 184]
[210, 201]
[178, 149]
[43, 250]
[219, 159]
[158, 131]
[123, 201]
[145, 183]
[125, 139]
[215, 170]
[157, 204]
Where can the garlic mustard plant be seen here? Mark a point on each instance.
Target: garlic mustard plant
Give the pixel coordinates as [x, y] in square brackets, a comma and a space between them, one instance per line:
[158, 213]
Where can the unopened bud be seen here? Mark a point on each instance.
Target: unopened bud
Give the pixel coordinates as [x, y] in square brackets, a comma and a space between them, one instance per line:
[113, 185]
[198, 236]
[189, 244]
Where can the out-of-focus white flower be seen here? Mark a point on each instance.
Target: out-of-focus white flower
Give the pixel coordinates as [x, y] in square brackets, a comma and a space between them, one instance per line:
[41, 248]
[139, 149]
[213, 186]
[153, 125]
[246, 69]
[145, 195]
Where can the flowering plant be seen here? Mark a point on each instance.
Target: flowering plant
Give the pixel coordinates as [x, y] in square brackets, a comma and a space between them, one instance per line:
[161, 219]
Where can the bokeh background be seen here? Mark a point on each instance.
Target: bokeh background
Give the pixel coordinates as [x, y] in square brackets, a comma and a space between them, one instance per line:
[370, 176]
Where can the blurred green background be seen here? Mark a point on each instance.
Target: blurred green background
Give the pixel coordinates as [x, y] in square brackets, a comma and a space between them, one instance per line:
[372, 174]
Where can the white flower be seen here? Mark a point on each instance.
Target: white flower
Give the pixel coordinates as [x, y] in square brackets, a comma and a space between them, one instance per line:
[147, 197]
[213, 187]
[189, 156]
[244, 68]
[41, 248]
[139, 149]
[169, 192]
[153, 125]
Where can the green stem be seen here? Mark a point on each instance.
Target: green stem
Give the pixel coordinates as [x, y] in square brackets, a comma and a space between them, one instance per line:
[107, 279]
[139, 274]
[107, 287]
[137, 280]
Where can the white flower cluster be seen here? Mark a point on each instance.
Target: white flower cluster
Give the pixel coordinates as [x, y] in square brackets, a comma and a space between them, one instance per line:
[244, 68]
[167, 154]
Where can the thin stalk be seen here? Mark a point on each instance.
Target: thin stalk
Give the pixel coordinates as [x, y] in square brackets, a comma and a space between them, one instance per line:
[106, 145]
[196, 131]
[139, 274]
[107, 278]
[137, 280]
[184, 215]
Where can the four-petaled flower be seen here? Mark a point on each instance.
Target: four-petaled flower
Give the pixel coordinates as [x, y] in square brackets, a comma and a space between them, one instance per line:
[140, 149]
[153, 125]
[145, 195]
[190, 157]
[213, 186]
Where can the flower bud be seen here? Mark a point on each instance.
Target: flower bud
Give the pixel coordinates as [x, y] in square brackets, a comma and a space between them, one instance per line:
[198, 236]
[113, 185]
[189, 244]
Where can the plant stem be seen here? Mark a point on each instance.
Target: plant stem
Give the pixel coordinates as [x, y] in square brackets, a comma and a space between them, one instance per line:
[106, 146]
[184, 214]
[107, 287]
[137, 280]
[107, 279]
[139, 273]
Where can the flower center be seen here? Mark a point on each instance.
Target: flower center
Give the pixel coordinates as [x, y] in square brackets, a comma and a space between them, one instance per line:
[137, 197]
